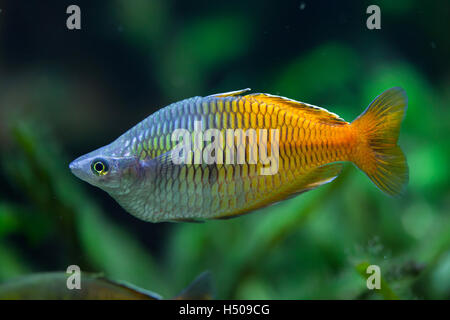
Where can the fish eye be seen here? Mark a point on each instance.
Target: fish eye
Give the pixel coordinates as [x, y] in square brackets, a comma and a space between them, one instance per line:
[100, 167]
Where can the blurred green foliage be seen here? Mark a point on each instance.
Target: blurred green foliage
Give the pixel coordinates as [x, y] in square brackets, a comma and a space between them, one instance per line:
[83, 94]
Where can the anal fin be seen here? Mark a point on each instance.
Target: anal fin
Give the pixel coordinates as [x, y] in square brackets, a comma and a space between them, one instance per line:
[320, 176]
[309, 181]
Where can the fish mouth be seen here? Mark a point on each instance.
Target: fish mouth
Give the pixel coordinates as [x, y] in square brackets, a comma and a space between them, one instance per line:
[72, 166]
[75, 168]
[78, 168]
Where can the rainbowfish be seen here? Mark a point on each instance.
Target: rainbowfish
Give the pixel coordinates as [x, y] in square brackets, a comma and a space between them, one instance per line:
[53, 286]
[208, 157]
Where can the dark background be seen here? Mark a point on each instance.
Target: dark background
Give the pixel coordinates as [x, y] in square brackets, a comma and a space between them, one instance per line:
[64, 93]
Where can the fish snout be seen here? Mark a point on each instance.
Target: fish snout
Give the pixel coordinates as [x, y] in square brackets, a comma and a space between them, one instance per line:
[72, 166]
[77, 167]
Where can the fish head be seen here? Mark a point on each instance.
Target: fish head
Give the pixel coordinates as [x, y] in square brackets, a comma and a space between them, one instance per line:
[112, 173]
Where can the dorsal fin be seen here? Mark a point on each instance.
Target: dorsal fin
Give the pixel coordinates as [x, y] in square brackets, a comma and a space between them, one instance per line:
[199, 289]
[146, 294]
[230, 94]
[319, 113]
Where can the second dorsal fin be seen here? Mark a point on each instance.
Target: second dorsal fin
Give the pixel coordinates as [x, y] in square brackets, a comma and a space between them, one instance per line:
[320, 113]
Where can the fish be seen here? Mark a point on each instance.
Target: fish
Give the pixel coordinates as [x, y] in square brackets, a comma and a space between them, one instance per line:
[158, 178]
[53, 286]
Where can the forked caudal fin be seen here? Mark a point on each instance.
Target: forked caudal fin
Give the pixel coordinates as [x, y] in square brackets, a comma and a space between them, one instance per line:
[378, 154]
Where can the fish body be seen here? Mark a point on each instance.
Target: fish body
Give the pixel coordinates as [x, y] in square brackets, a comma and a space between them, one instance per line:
[53, 286]
[296, 147]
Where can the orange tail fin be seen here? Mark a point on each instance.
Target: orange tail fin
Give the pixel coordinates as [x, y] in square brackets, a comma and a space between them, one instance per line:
[378, 154]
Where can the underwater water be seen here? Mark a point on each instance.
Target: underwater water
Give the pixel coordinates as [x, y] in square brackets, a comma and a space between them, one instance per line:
[66, 92]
